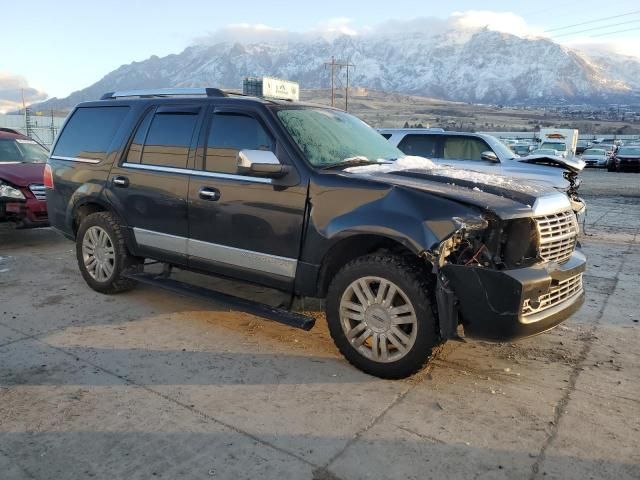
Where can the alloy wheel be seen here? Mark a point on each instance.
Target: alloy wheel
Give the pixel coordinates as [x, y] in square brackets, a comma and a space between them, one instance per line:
[378, 319]
[98, 254]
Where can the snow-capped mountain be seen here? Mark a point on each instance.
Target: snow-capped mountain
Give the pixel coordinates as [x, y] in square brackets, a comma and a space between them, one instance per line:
[482, 67]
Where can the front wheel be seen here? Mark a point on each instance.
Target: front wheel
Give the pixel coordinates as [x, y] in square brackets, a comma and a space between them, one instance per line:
[380, 315]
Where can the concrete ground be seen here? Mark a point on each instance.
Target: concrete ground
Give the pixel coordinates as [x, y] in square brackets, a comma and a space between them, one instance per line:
[149, 384]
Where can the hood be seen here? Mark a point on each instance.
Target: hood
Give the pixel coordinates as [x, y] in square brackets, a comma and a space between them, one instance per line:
[572, 164]
[504, 196]
[22, 174]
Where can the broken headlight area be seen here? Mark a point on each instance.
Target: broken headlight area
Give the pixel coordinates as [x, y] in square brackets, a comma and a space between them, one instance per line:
[492, 243]
[574, 183]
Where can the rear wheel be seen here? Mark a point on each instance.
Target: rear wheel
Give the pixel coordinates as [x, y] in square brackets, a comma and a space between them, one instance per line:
[380, 316]
[102, 253]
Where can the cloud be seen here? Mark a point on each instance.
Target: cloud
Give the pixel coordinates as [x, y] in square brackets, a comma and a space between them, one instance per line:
[628, 46]
[12, 88]
[506, 22]
[469, 21]
[463, 23]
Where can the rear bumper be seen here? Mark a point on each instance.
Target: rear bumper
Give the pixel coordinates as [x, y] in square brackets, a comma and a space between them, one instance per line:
[511, 304]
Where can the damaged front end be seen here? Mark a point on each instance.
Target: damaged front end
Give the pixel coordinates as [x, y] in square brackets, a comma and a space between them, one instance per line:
[507, 279]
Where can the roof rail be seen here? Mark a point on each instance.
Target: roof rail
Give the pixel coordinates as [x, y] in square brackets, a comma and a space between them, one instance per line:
[165, 92]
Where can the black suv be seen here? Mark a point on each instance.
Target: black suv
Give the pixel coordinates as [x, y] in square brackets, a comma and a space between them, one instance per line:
[312, 201]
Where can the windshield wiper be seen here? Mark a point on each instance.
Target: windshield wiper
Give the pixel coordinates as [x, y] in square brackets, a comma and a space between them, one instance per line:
[353, 162]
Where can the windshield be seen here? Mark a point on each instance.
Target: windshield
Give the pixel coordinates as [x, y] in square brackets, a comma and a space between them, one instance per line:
[594, 151]
[327, 137]
[629, 151]
[561, 147]
[22, 151]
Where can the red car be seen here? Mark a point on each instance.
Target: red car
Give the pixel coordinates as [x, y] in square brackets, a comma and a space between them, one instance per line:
[22, 193]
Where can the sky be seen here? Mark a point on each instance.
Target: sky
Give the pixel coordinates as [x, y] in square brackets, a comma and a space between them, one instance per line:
[52, 48]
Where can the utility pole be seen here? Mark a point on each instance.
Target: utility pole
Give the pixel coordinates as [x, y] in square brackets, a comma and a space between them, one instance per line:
[339, 65]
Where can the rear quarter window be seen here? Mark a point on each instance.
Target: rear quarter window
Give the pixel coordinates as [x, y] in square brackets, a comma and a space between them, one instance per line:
[89, 132]
[419, 145]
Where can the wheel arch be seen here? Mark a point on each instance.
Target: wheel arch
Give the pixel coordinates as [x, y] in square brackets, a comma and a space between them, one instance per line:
[357, 245]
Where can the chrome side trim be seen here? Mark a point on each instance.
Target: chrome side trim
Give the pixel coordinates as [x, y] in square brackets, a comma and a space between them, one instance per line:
[163, 241]
[75, 159]
[238, 257]
[198, 173]
[262, 262]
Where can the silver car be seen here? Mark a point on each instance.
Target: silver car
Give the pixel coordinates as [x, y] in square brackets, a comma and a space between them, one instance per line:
[487, 154]
[595, 157]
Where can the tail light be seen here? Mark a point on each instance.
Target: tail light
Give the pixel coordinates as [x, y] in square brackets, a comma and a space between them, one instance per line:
[48, 176]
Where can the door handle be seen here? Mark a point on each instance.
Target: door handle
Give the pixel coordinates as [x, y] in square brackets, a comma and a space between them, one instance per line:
[208, 193]
[121, 182]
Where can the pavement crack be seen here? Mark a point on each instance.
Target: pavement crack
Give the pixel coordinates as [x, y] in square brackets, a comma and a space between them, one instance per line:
[589, 339]
[417, 380]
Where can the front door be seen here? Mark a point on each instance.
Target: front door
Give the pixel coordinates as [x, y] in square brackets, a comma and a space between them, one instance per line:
[239, 225]
[150, 187]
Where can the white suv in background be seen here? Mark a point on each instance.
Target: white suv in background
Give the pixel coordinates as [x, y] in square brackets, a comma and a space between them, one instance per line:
[486, 154]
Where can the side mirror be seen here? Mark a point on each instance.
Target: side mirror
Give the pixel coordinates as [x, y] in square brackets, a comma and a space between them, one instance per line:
[489, 156]
[260, 163]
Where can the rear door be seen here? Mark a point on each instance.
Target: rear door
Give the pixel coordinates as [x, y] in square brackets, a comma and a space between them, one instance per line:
[240, 225]
[151, 184]
[427, 146]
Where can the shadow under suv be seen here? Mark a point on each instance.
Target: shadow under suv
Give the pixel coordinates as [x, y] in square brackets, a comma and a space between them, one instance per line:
[311, 201]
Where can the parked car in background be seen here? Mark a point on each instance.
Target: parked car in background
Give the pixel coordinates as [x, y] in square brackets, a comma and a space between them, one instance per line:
[582, 145]
[595, 157]
[545, 151]
[626, 158]
[522, 149]
[609, 148]
[22, 195]
[485, 153]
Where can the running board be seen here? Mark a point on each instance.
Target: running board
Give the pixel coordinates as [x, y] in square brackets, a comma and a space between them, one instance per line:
[280, 315]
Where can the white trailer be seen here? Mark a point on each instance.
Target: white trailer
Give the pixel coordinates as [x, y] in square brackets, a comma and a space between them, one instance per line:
[566, 136]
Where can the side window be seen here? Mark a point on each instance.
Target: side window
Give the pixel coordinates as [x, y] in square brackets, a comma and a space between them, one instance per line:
[169, 138]
[135, 149]
[89, 132]
[464, 148]
[386, 135]
[230, 133]
[420, 145]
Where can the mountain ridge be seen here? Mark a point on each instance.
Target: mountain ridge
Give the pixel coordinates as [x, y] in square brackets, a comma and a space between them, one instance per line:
[480, 67]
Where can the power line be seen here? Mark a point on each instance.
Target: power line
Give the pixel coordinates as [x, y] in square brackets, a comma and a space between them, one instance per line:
[593, 21]
[617, 31]
[339, 66]
[596, 28]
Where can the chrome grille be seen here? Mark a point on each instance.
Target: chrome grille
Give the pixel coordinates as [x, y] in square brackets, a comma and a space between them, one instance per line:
[558, 234]
[557, 294]
[38, 191]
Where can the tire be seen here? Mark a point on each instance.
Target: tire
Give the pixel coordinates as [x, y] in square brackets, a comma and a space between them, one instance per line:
[410, 305]
[111, 257]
